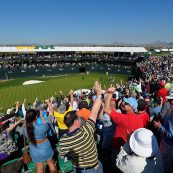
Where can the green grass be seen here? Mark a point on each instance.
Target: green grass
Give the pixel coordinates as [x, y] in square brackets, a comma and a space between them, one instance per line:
[13, 90]
[161, 54]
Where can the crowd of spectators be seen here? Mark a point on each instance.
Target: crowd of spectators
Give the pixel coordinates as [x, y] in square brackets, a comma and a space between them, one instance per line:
[156, 67]
[54, 60]
[125, 127]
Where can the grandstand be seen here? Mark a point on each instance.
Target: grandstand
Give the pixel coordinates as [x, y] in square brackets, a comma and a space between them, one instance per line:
[26, 61]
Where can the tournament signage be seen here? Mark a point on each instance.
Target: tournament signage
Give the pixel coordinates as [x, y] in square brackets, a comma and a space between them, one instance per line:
[25, 48]
[34, 48]
[44, 47]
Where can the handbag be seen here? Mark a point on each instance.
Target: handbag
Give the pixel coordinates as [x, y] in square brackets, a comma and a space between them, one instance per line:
[26, 156]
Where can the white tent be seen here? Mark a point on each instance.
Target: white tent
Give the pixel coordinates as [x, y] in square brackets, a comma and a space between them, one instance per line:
[18, 49]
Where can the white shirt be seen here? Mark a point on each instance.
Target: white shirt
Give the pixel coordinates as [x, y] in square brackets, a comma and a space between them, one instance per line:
[75, 106]
[129, 162]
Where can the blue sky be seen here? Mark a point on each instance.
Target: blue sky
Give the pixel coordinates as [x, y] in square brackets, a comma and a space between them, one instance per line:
[85, 21]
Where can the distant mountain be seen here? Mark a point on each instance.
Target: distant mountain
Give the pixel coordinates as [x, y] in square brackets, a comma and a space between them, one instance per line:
[160, 44]
[122, 44]
[155, 44]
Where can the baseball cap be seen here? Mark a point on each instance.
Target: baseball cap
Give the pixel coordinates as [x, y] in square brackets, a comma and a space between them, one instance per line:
[132, 102]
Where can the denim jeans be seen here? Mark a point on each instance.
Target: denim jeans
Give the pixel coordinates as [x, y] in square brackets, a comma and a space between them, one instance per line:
[98, 169]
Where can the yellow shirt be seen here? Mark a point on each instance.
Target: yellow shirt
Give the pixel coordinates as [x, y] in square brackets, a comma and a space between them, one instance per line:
[60, 118]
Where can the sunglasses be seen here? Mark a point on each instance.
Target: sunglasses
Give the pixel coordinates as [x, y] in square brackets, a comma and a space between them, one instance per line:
[124, 104]
[127, 103]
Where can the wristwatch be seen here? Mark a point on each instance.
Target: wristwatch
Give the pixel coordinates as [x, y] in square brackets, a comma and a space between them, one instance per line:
[99, 96]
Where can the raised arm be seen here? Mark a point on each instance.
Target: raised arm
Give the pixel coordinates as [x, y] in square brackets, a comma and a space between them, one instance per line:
[17, 107]
[42, 118]
[23, 108]
[121, 83]
[97, 103]
[110, 91]
[49, 103]
[71, 97]
[6, 117]
[34, 104]
[13, 126]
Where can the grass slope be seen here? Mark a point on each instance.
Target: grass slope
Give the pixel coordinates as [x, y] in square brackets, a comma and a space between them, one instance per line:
[13, 90]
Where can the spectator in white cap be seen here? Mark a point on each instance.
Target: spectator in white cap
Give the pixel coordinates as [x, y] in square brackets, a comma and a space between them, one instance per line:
[141, 154]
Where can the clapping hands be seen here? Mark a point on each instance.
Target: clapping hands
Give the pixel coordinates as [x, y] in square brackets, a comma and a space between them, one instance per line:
[97, 87]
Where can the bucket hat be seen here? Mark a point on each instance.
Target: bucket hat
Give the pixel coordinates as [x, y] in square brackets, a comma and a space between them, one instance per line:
[143, 143]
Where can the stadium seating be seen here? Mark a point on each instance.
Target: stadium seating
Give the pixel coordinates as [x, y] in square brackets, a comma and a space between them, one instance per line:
[12, 165]
[65, 166]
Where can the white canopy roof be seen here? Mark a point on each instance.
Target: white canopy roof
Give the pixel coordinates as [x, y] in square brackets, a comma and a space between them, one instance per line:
[28, 49]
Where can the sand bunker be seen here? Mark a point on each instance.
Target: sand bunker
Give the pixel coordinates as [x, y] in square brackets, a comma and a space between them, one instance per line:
[30, 82]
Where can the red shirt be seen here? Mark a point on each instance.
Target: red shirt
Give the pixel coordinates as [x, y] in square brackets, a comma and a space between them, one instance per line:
[124, 123]
[163, 93]
[145, 117]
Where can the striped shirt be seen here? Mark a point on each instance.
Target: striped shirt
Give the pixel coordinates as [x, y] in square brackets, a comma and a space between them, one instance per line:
[79, 146]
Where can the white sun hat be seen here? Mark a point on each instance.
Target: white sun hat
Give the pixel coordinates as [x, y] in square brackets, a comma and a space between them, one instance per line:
[143, 143]
[170, 95]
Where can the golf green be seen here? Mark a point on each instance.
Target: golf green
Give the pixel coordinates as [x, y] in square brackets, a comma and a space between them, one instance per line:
[14, 90]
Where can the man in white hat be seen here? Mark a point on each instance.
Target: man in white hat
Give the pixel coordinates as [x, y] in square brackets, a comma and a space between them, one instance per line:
[141, 154]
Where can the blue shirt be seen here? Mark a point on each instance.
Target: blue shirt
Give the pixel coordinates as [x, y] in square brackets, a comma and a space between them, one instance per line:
[167, 129]
[156, 111]
[40, 131]
[39, 120]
